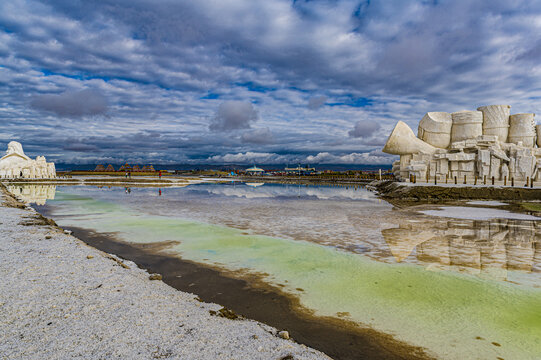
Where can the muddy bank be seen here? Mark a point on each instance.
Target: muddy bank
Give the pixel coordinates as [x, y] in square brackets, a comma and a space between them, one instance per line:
[402, 191]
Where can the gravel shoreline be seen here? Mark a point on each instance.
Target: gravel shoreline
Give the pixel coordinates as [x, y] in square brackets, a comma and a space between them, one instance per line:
[60, 299]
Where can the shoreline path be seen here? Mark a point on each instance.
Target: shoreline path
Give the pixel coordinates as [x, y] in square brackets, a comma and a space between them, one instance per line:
[62, 299]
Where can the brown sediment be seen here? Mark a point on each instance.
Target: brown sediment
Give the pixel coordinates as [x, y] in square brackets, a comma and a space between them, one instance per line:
[252, 298]
[390, 190]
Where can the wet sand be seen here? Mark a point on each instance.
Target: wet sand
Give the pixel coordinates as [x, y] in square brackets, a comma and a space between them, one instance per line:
[257, 300]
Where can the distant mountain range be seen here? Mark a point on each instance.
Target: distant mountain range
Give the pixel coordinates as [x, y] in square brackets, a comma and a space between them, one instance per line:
[230, 167]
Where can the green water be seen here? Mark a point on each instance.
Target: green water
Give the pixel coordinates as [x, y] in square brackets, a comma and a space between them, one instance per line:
[444, 312]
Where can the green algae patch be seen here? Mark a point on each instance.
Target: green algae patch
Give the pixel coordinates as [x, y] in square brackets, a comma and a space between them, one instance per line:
[446, 312]
[532, 206]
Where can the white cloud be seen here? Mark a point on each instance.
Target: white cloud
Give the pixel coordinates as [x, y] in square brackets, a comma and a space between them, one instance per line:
[353, 158]
[249, 157]
[368, 158]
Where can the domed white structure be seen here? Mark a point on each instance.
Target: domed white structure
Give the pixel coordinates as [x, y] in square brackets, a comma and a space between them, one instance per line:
[15, 164]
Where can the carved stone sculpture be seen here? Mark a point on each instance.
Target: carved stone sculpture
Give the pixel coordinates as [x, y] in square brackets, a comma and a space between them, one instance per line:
[496, 120]
[504, 172]
[435, 129]
[466, 125]
[468, 144]
[522, 128]
[15, 164]
[402, 141]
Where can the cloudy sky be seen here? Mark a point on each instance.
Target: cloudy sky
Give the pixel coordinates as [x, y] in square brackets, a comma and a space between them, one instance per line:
[249, 81]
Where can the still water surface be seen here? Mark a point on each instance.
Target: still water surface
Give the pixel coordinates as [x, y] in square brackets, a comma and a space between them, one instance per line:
[461, 281]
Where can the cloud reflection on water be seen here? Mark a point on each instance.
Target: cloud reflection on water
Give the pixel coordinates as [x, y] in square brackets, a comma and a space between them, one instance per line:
[348, 218]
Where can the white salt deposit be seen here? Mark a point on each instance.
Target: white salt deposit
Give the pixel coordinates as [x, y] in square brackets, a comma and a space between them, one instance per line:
[475, 213]
[61, 299]
[486, 203]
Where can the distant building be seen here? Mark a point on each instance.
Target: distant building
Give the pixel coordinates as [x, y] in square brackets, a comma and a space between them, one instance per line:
[148, 168]
[254, 170]
[15, 164]
[300, 170]
[135, 168]
[100, 168]
[110, 168]
[126, 167]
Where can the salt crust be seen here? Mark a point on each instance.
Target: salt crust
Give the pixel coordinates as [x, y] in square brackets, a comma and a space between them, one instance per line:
[61, 299]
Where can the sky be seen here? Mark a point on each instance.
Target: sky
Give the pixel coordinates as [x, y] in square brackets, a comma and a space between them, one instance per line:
[253, 81]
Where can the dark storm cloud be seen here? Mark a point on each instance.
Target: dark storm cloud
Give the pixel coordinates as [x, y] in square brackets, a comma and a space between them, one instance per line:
[233, 115]
[316, 102]
[72, 103]
[160, 70]
[258, 136]
[81, 147]
[364, 129]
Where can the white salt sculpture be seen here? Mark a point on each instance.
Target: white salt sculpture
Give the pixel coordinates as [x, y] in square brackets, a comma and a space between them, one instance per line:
[412, 145]
[484, 144]
[522, 128]
[496, 120]
[15, 164]
[466, 124]
[435, 129]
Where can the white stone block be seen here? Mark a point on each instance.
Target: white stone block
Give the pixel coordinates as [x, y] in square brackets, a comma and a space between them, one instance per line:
[522, 129]
[466, 125]
[435, 129]
[496, 120]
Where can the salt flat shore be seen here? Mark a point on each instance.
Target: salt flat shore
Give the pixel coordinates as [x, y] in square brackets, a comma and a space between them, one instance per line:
[62, 299]
[427, 191]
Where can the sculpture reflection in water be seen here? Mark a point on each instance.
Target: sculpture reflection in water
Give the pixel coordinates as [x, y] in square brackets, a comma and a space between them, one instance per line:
[33, 194]
[486, 248]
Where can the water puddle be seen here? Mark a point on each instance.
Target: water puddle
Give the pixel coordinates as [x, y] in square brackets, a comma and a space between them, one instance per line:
[460, 286]
[476, 213]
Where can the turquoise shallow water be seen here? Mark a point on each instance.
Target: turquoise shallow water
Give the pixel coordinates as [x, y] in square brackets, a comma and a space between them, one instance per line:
[454, 314]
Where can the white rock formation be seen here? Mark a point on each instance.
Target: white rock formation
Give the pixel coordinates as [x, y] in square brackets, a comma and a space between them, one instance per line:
[496, 120]
[466, 125]
[15, 164]
[401, 147]
[522, 128]
[468, 144]
[435, 129]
